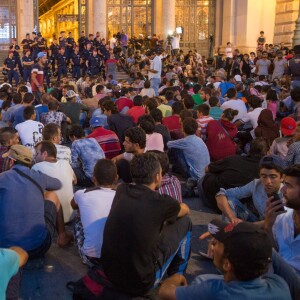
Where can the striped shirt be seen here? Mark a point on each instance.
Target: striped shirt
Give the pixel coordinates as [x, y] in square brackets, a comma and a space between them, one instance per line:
[108, 141]
[170, 185]
[202, 124]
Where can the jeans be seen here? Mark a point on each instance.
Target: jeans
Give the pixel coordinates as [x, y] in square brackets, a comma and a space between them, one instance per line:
[82, 179]
[13, 74]
[26, 74]
[155, 82]
[76, 72]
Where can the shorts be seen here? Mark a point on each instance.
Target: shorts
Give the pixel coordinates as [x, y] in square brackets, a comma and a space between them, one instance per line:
[50, 222]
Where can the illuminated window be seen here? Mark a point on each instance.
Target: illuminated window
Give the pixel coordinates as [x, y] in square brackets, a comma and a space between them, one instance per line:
[197, 18]
[134, 16]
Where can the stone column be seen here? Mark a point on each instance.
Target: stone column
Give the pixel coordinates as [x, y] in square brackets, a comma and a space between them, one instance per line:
[25, 18]
[99, 15]
[168, 17]
[296, 38]
[157, 26]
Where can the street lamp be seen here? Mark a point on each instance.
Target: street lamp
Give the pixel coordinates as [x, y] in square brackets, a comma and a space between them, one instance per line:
[296, 38]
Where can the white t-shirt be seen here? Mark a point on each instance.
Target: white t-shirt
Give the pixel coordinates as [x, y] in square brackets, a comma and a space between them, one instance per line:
[252, 116]
[63, 172]
[30, 133]
[94, 206]
[235, 104]
[155, 65]
[176, 42]
[228, 52]
[63, 153]
[147, 92]
[112, 43]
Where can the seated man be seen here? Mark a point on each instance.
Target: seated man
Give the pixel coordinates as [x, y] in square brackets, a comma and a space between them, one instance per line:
[146, 234]
[243, 253]
[52, 133]
[230, 172]
[269, 183]
[94, 206]
[284, 226]
[47, 163]
[85, 153]
[107, 139]
[27, 215]
[10, 261]
[189, 154]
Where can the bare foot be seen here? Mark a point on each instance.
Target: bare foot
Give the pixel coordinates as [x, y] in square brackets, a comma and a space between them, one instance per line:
[65, 239]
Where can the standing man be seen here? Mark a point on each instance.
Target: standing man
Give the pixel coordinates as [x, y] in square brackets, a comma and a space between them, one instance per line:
[294, 68]
[62, 40]
[85, 54]
[16, 48]
[263, 64]
[124, 42]
[61, 60]
[69, 46]
[37, 76]
[82, 41]
[176, 43]
[10, 64]
[27, 64]
[154, 71]
[26, 43]
[34, 45]
[54, 50]
[75, 62]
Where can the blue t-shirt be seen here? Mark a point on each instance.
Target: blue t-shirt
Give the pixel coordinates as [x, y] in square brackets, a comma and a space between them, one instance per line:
[213, 287]
[9, 266]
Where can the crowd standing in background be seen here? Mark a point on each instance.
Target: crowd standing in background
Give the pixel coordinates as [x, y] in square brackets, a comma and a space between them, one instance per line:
[116, 158]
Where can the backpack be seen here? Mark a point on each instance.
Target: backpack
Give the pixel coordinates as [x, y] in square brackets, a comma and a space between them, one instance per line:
[95, 286]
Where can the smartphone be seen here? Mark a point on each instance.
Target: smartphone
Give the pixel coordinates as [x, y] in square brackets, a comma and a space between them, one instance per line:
[276, 197]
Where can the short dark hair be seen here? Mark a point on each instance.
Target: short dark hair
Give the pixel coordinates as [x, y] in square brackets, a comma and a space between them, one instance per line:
[196, 88]
[203, 108]
[254, 101]
[231, 93]
[99, 88]
[49, 131]
[6, 133]
[28, 112]
[23, 89]
[124, 91]
[295, 94]
[230, 113]
[258, 148]
[213, 101]
[147, 123]
[28, 98]
[206, 90]
[188, 101]
[136, 135]
[138, 100]
[169, 95]
[147, 84]
[76, 131]
[177, 107]
[156, 114]
[190, 126]
[185, 113]
[110, 105]
[163, 160]
[293, 171]
[49, 147]
[52, 105]
[144, 167]
[105, 172]
[151, 103]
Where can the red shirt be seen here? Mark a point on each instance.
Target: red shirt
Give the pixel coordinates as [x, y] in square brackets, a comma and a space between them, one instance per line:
[123, 102]
[39, 77]
[172, 122]
[108, 141]
[135, 112]
[219, 144]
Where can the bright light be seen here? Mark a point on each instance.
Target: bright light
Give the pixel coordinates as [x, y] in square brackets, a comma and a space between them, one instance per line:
[170, 32]
[110, 14]
[179, 30]
[50, 40]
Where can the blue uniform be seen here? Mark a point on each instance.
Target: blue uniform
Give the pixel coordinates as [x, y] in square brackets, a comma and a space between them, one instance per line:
[17, 57]
[70, 49]
[27, 69]
[94, 64]
[61, 65]
[11, 64]
[54, 51]
[76, 65]
[35, 48]
[85, 56]
[62, 42]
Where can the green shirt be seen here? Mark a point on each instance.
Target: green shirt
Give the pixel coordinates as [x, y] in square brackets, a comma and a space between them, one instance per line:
[197, 99]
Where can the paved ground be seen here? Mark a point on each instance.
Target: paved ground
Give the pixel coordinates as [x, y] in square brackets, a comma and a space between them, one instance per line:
[63, 265]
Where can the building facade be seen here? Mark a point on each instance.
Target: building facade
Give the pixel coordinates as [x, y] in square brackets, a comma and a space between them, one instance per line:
[201, 21]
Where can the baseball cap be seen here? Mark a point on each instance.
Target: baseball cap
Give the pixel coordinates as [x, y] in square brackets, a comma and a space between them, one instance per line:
[288, 126]
[273, 160]
[242, 239]
[19, 153]
[96, 122]
[41, 55]
[71, 94]
[238, 78]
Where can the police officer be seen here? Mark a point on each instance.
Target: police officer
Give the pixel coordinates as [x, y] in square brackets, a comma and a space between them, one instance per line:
[16, 48]
[91, 39]
[86, 53]
[93, 63]
[26, 43]
[294, 68]
[82, 41]
[10, 64]
[27, 64]
[62, 40]
[75, 62]
[69, 46]
[34, 45]
[41, 43]
[61, 60]
[54, 50]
